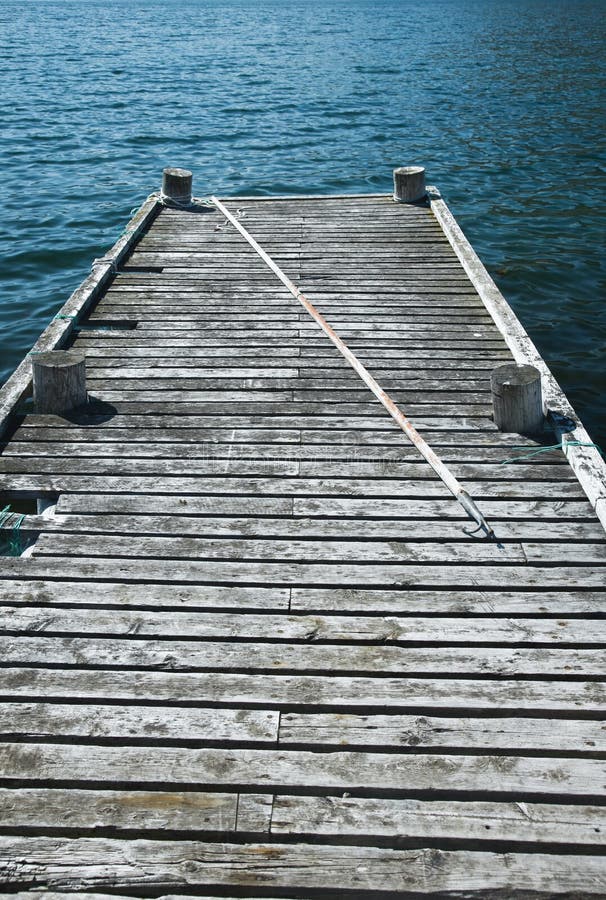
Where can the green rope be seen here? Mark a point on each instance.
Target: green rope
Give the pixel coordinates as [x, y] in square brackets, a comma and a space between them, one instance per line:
[5, 514]
[561, 446]
[14, 543]
[64, 316]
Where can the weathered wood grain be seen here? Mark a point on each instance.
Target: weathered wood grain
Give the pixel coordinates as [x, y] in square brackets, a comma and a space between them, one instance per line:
[28, 592]
[533, 823]
[500, 600]
[277, 550]
[178, 865]
[363, 511]
[50, 483]
[238, 448]
[228, 656]
[293, 574]
[142, 593]
[456, 774]
[138, 811]
[99, 723]
[300, 627]
[574, 699]
[503, 733]
[411, 530]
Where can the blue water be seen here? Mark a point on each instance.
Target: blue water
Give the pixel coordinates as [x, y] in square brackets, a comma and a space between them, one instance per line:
[501, 100]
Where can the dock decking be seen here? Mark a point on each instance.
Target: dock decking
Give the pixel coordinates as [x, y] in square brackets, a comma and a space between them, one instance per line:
[252, 652]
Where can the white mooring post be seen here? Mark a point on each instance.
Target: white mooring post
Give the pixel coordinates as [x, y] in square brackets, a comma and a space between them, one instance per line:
[176, 186]
[409, 184]
[516, 399]
[59, 381]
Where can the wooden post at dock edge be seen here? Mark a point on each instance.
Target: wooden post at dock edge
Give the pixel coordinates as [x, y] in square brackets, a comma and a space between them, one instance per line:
[409, 184]
[59, 378]
[516, 399]
[176, 186]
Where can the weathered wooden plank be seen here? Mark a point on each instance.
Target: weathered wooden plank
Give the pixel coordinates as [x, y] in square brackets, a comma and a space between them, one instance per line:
[24, 721]
[234, 446]
[199, 403]
[138, 811]
[353, 817]
[281, 549]
[168, 398]
[241, 380]
[182, 339]
[383, 446]
[503, 733]
[146, 357]
[36, 484]
[227, 656]
[225, 277]
[498, 601]
[177, 865]
[79, 438]
[175, 506]
[404, 470]
[211, 258]
[184, 524]
[62, 895]
[242, 307]
[488, 443]
[139, 283]
[543, 511]
[427, 696]
[466, 426]
[295, 574]
[520, 776]
[185, 390]
[385, 630]
[209, 374]
[170, 596]
[299, 332]
[148, 314]
[127, 465]
[456, 369]
[298, 413]
[138, 594]
[376, 249]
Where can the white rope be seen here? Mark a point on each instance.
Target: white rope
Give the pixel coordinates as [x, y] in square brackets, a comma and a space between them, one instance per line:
[422, 446]
[177, 204]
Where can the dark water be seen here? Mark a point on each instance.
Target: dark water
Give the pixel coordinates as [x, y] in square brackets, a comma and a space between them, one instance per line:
[501, 100]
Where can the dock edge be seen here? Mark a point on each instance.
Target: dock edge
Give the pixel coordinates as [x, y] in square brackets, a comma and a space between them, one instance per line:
[586, 462]
[19, 384]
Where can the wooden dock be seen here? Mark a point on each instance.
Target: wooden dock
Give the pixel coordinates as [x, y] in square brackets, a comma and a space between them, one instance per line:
[250, 650]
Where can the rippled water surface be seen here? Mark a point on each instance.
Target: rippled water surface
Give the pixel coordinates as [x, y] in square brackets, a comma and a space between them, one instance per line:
[501, 100]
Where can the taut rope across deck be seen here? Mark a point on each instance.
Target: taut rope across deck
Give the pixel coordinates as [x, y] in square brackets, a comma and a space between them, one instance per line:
[394, 411]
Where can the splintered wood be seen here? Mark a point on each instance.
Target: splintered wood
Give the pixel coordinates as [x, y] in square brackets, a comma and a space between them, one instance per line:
[252, 650]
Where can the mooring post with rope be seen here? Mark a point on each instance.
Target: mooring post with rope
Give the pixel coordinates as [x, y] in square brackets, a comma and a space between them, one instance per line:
[397, 415]
[176, 187]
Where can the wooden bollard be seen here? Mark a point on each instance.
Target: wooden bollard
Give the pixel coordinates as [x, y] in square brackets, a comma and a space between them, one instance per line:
[516, 399]
[176, 186]
[409, 184]
[59, 381]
